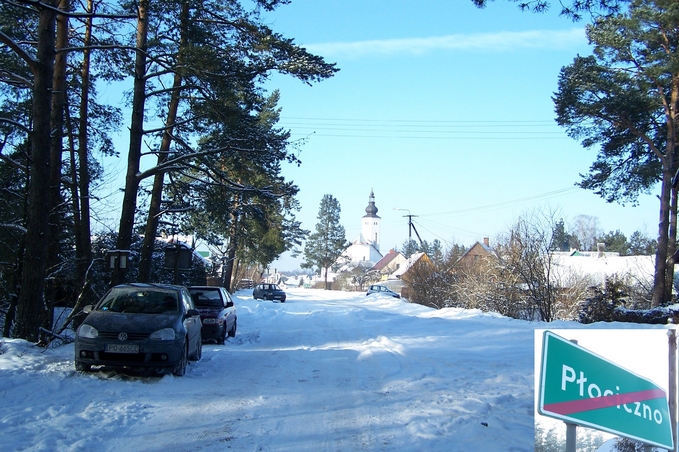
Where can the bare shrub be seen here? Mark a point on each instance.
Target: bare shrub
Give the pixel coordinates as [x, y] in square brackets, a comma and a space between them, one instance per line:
[525, 254]
[428, 286]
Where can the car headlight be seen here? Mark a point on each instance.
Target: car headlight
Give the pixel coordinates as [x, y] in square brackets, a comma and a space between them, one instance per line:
[87, 331]
[166, 334]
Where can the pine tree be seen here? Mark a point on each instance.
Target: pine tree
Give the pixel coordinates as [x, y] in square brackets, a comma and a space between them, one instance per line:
[615, 242]
[623, 100]
[326, 244]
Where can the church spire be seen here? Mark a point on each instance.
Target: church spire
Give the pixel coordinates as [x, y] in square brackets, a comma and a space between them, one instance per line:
[371, 223]
[371, 210]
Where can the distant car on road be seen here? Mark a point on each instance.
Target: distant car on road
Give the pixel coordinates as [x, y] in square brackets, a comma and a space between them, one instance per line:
[384, 290]
[140, 326]
[217, 312]
[266, 291]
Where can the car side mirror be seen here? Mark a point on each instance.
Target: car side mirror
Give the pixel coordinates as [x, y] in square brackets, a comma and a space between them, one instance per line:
[87, 309]
[192, 313]
[229, 304]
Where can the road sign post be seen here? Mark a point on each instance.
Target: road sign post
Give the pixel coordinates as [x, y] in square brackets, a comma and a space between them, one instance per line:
[583, 388]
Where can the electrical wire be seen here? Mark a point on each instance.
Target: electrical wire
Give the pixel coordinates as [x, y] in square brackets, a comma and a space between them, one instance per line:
[504, 204]
[423, 129]
[425, 223]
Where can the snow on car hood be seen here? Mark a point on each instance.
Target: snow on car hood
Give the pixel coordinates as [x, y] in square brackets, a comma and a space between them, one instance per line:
[141, 323]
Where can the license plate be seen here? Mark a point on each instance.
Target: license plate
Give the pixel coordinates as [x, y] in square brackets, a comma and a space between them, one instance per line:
[122, 348]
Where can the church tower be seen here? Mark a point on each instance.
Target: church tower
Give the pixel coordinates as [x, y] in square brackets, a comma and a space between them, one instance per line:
[371, 223]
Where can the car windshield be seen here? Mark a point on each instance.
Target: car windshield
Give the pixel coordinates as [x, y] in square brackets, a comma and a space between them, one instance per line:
[132, 300]
[207, 298]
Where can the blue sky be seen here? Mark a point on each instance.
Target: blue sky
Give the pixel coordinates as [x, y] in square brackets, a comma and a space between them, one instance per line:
[440, 108]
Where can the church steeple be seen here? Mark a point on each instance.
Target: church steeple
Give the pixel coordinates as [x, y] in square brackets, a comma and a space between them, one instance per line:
[371, 210]
[371, 223]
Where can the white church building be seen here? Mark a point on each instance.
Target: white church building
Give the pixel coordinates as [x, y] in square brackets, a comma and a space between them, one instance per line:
[365, 248]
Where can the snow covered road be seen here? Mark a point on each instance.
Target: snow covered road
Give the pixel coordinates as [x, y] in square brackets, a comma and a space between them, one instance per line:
[326, 371]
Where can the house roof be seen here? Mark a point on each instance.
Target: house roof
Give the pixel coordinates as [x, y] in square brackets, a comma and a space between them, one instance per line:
[633, 268]
[407, 265]
[360, 240]
[386, 260]
[473, 250]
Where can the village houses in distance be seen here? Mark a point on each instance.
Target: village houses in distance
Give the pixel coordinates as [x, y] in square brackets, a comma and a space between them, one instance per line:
[390, 267]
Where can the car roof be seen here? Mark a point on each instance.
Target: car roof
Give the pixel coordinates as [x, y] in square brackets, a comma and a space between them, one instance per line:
[149, 286]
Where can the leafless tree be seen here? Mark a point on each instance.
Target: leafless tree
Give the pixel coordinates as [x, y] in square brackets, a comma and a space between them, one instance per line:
[586, 229]
[525, 254]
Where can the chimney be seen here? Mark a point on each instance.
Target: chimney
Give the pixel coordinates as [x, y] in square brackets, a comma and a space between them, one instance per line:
[486, 241]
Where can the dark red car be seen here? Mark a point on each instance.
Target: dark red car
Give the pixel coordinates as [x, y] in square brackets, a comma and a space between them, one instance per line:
[217, 312]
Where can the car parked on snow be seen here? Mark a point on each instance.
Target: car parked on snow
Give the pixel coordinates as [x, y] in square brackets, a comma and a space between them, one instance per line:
[140, 326]
[217, 312]
[266, 291]
[384, 290]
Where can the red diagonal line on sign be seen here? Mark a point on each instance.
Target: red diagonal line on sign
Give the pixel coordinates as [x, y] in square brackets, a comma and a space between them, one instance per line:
[577, 406]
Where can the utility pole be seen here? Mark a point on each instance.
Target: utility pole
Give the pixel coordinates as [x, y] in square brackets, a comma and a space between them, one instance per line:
[411, 226]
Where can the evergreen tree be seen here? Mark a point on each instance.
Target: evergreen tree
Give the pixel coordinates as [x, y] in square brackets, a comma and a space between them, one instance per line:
[409, 248]
[615, 242]
[624, 100]
[574, 9]
[327, 243]
[641, 245]
[562, 240]
[204, 62]
[435, 253]
[455, 252]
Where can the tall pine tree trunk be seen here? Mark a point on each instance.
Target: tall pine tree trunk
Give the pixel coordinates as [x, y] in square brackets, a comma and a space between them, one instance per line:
[31, 307]
[660, 273]
[151, 230]
[56, 207]
[83, 232]
[664, 258]
[129, 205]
[227, 273]
[671, 245]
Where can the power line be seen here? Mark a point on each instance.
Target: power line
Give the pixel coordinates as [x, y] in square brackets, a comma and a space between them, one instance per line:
[504, 204]
[542, 121]
[427, 224]
[478, 137]
[423, 129]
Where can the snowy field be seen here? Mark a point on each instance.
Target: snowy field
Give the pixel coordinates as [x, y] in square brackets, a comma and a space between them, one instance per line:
[326, 371]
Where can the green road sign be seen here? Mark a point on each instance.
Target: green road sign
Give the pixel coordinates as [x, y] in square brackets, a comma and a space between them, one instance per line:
[581, 387]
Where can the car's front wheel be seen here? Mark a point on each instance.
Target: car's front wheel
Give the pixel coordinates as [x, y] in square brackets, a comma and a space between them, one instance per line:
[180, 369]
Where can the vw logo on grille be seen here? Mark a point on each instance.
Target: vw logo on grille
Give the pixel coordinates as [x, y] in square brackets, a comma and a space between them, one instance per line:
[122, 336]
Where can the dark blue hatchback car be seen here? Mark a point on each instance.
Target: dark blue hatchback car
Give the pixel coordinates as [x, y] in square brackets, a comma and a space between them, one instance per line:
[267, 291]
[140, 326]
